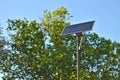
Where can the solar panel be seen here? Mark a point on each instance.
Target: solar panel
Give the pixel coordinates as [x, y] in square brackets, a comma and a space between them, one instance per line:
[77, 28]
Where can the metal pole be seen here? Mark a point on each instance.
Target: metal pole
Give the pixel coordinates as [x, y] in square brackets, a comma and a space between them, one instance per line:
[78, 35]
[80, 39]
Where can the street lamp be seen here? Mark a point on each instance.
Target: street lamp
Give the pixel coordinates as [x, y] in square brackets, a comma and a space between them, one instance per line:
[78, 29]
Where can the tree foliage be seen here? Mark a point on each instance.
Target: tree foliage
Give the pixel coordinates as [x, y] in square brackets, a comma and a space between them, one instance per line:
[2, 41]
[100, 58]
[38, 51]
[3, 51]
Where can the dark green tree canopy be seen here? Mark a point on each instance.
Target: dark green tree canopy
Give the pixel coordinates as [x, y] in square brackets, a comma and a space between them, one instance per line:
[38, 51]
[3, 51]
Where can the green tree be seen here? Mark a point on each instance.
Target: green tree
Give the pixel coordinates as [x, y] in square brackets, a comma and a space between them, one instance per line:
[63, 64]
[27, 57]
[38, 51]
[2, 41]
[100, 58]
[3, 51]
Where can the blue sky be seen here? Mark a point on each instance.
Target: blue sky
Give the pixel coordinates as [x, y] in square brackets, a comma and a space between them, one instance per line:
[106, 13]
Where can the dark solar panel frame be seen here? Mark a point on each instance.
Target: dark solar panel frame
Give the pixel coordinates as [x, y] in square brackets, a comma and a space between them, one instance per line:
[77, 28]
